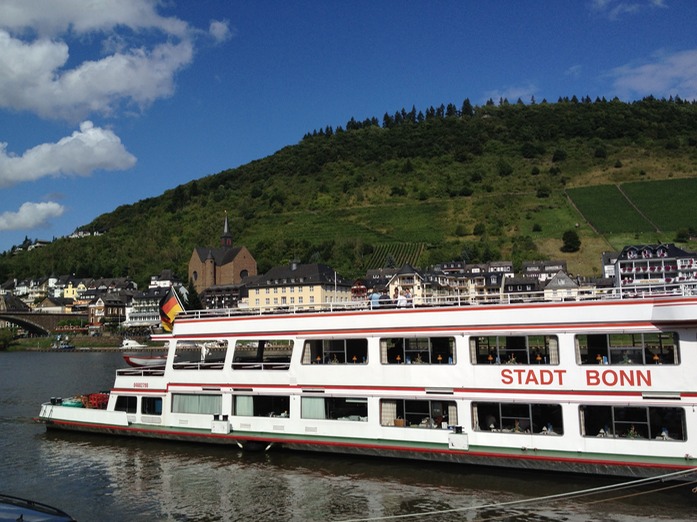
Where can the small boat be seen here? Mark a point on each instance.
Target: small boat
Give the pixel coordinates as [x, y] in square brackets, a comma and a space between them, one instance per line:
[63, 345]
[137, 354]
[15, 508]
[132, 344]
[141, 359]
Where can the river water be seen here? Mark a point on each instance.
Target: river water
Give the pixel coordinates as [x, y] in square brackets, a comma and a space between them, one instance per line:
[101, 478]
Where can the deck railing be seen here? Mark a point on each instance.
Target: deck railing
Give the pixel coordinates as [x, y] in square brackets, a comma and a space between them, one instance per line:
[614, 293]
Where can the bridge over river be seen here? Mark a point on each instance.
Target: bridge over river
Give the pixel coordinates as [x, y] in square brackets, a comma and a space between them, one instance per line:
[39, 323]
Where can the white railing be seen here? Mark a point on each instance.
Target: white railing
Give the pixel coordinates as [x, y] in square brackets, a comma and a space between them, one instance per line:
[604, 294]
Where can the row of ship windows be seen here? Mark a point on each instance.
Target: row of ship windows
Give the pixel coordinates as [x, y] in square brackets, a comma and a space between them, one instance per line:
[627, 422]
[610, 349]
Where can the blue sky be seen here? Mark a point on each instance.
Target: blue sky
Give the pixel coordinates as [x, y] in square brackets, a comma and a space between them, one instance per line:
[105, 103]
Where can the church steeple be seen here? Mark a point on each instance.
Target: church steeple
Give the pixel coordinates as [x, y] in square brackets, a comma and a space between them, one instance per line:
[226, 238]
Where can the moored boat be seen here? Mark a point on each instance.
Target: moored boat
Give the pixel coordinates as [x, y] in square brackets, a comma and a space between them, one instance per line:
[136, 354]
[132, 344]
[144, 359]
[15, 508]
[600, 386]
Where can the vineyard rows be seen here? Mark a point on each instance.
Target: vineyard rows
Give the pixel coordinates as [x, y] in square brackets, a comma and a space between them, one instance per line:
[395, 255]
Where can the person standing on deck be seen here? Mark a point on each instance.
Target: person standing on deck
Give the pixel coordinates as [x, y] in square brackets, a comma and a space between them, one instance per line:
[375, 299]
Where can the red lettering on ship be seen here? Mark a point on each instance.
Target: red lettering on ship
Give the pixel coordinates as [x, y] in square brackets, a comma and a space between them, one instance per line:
[618, 377]
[140, 385]
[538, 377]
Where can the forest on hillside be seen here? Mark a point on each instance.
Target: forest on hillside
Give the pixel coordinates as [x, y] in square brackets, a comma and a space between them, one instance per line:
[462, 182]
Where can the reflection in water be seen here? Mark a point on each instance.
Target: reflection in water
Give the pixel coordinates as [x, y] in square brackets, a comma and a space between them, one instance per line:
[174, 481]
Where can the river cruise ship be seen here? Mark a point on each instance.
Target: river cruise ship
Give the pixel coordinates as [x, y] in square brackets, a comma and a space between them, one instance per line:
[599, 386]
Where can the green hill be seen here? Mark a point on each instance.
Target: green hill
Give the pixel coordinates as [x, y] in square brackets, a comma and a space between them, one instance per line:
[476, 183]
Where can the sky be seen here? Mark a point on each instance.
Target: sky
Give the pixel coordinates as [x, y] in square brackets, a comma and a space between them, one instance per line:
[107, 102]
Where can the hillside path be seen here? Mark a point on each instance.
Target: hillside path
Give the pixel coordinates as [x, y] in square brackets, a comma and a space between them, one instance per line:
[637, 208]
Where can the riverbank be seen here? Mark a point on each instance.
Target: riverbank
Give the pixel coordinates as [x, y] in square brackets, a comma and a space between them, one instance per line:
[80, 342]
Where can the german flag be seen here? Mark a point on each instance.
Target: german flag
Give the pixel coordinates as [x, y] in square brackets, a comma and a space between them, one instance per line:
[170, 306]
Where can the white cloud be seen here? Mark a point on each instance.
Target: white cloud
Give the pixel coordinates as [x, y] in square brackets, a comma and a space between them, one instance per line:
[512, 93]
[142, 53]
[614, 9]
[81, 153]
[663, 75]
[51, 18]
[30, 215]
[574, 71]
[220, 30]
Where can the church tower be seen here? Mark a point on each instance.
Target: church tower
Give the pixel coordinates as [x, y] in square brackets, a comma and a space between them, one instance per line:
[226, 238]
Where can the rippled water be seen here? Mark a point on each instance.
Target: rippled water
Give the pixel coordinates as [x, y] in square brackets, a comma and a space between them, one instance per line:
[99, 478]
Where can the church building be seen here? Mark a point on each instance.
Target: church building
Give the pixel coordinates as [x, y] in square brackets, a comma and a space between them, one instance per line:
[222, 266]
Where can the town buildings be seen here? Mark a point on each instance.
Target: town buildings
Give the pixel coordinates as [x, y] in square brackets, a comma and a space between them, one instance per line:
[117, 305]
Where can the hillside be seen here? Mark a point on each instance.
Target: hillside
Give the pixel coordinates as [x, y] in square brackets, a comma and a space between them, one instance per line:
[479, 183]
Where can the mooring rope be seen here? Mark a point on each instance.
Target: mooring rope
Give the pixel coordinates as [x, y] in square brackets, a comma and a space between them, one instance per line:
[547, 498]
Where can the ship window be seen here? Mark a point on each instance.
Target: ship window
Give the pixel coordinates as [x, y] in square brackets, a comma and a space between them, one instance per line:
[129, 404]
[508, 417]
[196, 403]
[336, 351]
[628, 348]
[261, 406]
[337, 408]
[152, 406]
[417, 413]
[514, 349]
[262, 354]
[635, 422]
[417, 350]
[200, 355]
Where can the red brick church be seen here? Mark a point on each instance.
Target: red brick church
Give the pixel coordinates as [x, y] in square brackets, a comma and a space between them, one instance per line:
[223, 266]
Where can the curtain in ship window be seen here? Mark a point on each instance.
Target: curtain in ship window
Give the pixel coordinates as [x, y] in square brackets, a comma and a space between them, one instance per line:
[577, 346]
[452, 414]
[244, 405]
[307, 353]
[473, 350]
[182, 403]
[383, 351]
[388, 412]
[582, 414]
[554, 351]
[210, 404]
[313, 408]
[475, 417]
